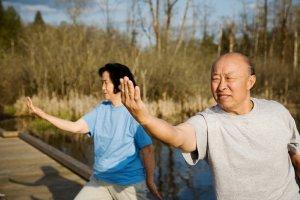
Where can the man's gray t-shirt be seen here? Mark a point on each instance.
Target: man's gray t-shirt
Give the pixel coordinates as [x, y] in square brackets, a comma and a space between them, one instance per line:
[248, 154]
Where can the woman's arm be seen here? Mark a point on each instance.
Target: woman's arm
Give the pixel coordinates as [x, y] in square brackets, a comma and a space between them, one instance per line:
[147, 154]
[80, 126]
[295, 158]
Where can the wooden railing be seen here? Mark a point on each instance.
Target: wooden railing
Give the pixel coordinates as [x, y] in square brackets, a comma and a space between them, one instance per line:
[69, 162]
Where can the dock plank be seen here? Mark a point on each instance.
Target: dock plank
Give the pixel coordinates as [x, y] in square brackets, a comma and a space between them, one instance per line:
[27, 173]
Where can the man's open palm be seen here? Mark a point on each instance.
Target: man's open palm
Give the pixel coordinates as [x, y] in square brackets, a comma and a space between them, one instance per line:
[131, 98]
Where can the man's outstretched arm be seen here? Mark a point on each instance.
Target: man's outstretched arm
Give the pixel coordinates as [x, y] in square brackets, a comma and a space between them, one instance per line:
[181, 136]
[80, 126]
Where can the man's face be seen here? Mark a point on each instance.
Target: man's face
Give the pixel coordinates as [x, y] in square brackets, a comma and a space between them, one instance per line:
[107, 86]
[231, 83]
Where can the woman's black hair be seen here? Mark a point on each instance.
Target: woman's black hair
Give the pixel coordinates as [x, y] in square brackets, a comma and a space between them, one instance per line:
[116, 71]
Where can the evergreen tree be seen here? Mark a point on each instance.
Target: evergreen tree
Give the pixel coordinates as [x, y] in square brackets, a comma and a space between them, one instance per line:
[38, 19]
[10, 27]
[1, 14]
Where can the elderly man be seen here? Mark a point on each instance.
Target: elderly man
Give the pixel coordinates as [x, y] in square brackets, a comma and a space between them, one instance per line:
[250, 143]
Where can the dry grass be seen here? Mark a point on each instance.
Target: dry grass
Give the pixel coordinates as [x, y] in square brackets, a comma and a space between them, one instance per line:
[75, 105]
[69, 107]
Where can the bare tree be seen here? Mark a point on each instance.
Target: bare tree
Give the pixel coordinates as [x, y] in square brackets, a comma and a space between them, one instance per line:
[132, 21]
[74, 8]
[265, 32]
[168, 15]
[220, 40]
[231, 36]
[283, 18]
[161, 14]
[296, 46]
[155, 13]
[106, 7]
[181, 30]
[142, 22]
[296, 28]
[205, 19]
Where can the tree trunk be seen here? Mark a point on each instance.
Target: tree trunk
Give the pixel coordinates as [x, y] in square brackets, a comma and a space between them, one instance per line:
[156, 23]
[232, 38]
[265, 32]
[180, 37]
[295, 50]
[220, 41]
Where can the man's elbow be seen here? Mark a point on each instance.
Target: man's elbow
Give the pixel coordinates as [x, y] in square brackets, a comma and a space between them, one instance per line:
[183, 145]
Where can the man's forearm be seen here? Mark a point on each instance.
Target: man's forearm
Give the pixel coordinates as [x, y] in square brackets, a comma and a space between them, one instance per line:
[162, 130]
[181, 136]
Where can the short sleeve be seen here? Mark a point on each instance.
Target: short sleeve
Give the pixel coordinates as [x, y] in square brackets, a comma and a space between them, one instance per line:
[294, 145]
[200, 126]
[141, 137]
[90, 119]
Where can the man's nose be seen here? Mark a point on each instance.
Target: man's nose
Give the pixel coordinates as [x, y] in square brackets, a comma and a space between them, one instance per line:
[222, 85]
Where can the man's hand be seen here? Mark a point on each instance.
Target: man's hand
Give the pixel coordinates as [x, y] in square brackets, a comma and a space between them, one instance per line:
[33, 109]
[131, 98]
[153, 189]
[181, 136]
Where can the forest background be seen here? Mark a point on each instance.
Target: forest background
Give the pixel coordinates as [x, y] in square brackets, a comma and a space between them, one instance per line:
[57, 64]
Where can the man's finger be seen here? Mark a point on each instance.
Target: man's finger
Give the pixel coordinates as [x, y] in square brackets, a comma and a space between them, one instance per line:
[137, 93]
[131, 89]
[122, 89]
[126, 88]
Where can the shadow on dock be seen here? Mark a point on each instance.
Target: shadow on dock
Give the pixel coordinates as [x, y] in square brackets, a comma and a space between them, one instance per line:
[58, 186]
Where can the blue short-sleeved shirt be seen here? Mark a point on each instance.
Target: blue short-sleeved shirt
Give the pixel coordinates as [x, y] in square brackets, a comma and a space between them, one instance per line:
[118, 138]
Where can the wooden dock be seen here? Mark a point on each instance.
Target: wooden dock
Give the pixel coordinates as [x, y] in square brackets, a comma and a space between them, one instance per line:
[27, 173]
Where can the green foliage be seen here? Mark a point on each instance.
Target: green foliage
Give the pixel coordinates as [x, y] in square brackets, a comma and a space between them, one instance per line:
[10, 27]
[40, 126]
[9, 109]
[1, 10]
[55, 61]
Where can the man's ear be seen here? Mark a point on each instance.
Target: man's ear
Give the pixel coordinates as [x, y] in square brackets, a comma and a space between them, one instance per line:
[251, 82]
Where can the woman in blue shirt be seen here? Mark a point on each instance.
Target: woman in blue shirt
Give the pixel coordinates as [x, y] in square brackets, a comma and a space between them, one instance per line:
[123, 152]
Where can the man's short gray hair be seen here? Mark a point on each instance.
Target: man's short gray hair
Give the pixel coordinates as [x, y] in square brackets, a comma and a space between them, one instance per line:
[245, 58]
